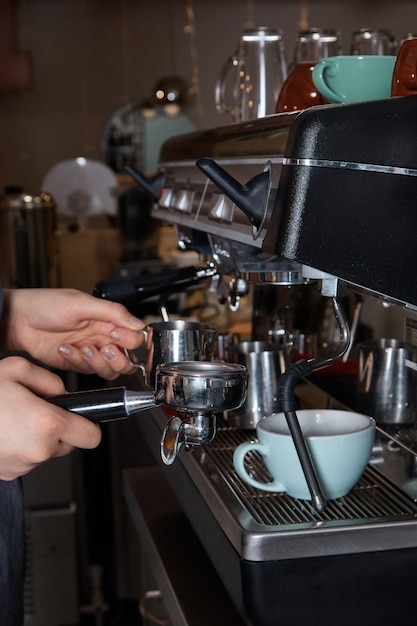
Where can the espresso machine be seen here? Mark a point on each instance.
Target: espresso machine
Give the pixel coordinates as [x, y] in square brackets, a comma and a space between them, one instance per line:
[321, 197]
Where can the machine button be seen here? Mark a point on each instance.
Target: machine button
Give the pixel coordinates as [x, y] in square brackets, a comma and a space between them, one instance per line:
[222, 210]
[184, 201]
[165, 197]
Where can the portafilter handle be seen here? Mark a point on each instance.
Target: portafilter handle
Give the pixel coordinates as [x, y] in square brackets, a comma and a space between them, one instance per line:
[106, 405]
[115, 403]
[130, 289]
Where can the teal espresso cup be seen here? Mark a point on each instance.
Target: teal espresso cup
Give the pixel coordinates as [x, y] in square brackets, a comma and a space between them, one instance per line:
[354, 78]
[339, 442]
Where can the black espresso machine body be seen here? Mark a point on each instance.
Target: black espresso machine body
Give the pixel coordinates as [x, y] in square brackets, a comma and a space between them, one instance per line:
[346, 198]
[340, 199]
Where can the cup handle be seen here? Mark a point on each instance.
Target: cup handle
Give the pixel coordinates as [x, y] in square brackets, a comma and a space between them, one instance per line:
[239, 462]
[131, 359]
[319, 80]
[220, 86]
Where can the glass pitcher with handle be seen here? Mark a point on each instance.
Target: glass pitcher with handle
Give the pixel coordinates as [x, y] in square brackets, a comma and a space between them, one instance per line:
[255, 72]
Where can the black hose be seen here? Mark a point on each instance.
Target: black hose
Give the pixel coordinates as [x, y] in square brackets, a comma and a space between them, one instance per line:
[287, 382]
[286, 396]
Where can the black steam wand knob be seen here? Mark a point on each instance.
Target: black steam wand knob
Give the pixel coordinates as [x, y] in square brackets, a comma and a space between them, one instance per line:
[150, 186]
[252, 198]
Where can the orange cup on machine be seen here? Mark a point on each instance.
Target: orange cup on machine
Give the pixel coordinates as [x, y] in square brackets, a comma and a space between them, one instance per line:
[298, 90]
[404, 77]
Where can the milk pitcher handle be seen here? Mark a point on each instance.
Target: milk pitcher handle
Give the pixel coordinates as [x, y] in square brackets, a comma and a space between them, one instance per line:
[220, 87]
[132, 358]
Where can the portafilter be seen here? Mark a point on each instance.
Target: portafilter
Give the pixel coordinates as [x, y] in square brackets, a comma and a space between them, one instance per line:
[197, 389]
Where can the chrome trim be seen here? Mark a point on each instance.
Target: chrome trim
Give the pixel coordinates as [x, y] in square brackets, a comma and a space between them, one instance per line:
[350, 165]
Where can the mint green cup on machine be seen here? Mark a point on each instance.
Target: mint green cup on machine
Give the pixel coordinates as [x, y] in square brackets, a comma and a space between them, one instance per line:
[339, 442]
[354, 78]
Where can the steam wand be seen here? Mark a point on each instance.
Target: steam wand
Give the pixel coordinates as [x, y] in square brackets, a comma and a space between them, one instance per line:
[286, 396]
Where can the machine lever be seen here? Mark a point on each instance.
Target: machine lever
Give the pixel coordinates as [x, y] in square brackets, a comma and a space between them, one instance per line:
[150, 186]
[252, 198]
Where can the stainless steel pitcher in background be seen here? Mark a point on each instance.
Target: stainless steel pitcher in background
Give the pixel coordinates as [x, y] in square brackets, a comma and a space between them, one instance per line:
[387, 381]
[28, 244]
[257, 71]
[265, 362]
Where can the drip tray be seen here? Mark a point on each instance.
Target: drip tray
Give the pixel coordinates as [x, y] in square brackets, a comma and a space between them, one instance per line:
[372, 497]
[282, 562]
[270, 526]
[261, 526]
[264, 526]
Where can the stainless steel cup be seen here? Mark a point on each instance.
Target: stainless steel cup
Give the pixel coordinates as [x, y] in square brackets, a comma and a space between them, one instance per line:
[176, 341]
[225, 342]
[265, 362]
[387, 381]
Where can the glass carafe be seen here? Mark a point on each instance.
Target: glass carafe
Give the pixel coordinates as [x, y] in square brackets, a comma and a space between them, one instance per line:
[256, 72]
[298, 91]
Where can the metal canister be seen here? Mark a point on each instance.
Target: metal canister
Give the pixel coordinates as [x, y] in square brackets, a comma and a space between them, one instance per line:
[387, 381]
[265, 362]
[28, 245]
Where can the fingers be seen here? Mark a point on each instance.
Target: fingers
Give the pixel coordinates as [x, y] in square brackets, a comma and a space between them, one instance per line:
[76, 432]
[47, 434]
[109, 361]
[40, 381]
[34, 430]
[128, 339]
[104, 311]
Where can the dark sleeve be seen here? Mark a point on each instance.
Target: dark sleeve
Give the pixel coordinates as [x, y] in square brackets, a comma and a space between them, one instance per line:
[12, 546]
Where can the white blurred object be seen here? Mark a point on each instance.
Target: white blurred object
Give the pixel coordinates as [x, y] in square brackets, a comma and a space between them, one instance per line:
[82, 188]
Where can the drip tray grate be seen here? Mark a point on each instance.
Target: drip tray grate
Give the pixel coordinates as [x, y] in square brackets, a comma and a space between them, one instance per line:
[406, 436]
[373, 498]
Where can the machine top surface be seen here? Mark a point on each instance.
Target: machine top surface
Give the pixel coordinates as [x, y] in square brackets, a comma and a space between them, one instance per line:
[262, 137]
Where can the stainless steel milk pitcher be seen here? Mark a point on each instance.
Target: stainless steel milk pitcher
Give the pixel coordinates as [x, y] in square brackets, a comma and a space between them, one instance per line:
[387, 381]
[29, 249]
[265, 362]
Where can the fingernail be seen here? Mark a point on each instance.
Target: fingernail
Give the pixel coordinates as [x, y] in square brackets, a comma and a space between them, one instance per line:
[88, 352]
[115, 335]
[108, 353]
[65, 350]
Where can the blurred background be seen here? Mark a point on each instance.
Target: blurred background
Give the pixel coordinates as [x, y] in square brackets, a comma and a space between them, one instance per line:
[91, 57]
[90, 83]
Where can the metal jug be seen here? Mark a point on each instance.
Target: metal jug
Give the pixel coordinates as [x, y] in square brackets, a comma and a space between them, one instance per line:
[265, 362]
[387, 381]
[29, 254]
[259, 70]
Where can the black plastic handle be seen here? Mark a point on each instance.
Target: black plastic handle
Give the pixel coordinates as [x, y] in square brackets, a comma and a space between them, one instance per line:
[251, 198]
[150, 186]
[129, 289]
[98, 405]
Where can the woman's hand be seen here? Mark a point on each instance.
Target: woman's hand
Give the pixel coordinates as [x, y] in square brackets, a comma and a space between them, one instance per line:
[69, 329]
[32, 430]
